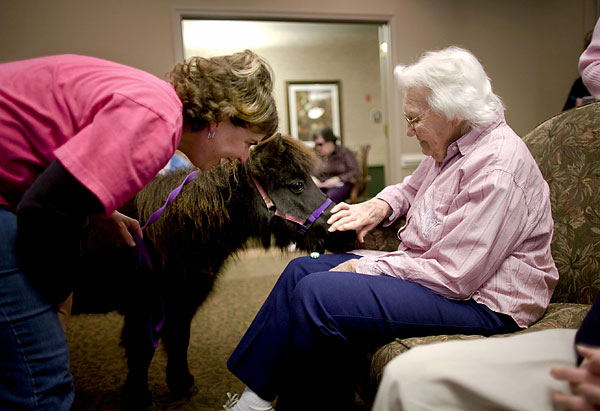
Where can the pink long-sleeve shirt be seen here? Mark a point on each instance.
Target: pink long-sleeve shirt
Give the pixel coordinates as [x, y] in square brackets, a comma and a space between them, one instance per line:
[479, 225]
[589, 64]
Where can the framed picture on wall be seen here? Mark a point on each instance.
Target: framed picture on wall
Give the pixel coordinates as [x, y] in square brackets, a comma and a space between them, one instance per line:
[312, 105]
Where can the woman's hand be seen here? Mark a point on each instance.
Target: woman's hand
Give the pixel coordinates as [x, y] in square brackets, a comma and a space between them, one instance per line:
[361, 217]
[125, 226]
[347, 266]
[584, 381]
[332, 182]
[63, 310]
[317, 181]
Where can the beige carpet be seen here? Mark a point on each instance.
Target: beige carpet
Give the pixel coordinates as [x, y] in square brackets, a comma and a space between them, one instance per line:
[99, 367]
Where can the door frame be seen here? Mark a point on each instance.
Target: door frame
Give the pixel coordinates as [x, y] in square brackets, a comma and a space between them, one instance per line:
[387, 25]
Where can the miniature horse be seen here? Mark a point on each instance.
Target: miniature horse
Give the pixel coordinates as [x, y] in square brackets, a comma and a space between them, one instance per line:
[270, 198]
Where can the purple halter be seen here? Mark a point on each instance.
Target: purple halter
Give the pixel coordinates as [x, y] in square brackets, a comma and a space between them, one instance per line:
[304, 224]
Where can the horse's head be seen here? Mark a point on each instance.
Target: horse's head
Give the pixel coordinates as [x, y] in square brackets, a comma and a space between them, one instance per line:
[282, 168]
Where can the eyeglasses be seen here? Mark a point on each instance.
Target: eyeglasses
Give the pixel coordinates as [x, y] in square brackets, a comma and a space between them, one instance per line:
[412, 122]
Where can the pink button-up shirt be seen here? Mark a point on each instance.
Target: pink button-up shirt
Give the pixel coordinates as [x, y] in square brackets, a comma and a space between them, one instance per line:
[479, 225]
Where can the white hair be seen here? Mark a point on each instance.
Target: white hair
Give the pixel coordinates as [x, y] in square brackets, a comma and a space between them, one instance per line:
[460, 88]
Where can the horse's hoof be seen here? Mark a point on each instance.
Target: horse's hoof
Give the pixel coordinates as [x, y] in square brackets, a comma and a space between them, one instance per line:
[182, 386]
[137, 397]
[180, 395]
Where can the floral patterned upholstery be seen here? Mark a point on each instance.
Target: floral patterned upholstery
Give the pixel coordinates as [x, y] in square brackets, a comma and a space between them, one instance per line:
[567, 150]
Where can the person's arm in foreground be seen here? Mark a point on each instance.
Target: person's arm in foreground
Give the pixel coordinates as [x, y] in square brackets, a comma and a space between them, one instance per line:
[50, 217]
[589, 64]
[584, 381]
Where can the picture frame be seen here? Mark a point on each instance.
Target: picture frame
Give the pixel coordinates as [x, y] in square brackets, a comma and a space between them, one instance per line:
[311, 106]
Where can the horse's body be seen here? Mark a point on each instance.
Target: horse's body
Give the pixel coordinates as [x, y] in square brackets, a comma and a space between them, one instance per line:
[213, 217]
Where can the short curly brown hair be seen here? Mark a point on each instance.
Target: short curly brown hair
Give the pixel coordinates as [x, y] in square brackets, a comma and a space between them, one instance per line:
[236, 87]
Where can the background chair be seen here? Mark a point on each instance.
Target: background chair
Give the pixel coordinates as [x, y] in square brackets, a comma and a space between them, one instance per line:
[359, 190]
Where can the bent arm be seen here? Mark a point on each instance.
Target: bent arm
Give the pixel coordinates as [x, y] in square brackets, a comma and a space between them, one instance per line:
[50, 219]
[351, 167]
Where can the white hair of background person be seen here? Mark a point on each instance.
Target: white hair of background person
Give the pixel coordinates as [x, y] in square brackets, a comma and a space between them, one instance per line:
[460, 87]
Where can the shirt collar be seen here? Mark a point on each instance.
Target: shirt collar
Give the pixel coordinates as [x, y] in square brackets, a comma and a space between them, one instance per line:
[466, 143]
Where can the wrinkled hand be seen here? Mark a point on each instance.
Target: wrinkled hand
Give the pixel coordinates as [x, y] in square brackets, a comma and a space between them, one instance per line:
[63, 310]
[125, 226]
[361, 217]
[347, 266]
[584, 381]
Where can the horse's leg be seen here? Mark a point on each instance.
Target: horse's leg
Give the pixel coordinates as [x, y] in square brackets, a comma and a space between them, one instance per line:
[139, 351]
[176, 339]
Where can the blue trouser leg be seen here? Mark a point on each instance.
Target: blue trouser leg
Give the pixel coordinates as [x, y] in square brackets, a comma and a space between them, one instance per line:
[34, 356]
[307, 342]
[339, 194]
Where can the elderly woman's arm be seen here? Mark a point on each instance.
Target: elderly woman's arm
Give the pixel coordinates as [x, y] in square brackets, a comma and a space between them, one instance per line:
[391, 203]
[475, 239]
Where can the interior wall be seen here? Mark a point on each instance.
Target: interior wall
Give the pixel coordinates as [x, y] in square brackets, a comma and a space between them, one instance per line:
[341, 52]
[529, 48]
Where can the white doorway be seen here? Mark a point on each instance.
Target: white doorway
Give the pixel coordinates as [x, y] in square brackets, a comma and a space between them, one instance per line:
[353, 54]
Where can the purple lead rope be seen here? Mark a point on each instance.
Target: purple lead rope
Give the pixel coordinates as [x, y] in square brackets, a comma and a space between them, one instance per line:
[143, 253]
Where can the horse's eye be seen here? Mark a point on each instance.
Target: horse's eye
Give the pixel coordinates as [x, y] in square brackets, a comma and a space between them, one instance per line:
[297, 187]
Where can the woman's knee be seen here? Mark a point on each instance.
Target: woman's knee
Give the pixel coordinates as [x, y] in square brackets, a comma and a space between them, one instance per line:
[310, 292]
[301, 267]
[311, 310]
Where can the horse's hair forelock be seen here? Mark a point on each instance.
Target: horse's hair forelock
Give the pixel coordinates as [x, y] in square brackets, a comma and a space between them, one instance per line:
[275, 146]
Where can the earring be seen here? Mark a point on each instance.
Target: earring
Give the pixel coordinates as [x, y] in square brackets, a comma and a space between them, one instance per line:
[211, 134]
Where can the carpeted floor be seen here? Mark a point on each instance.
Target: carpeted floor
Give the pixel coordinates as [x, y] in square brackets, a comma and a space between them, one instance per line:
[99, 367]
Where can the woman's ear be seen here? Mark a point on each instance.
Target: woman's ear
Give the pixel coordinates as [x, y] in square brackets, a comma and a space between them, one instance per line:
[212, 129]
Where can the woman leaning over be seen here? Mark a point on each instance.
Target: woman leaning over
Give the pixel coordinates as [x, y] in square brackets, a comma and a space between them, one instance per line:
[79, 137]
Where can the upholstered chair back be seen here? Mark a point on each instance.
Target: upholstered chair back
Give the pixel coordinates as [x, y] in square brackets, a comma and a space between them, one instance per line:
[567, 150]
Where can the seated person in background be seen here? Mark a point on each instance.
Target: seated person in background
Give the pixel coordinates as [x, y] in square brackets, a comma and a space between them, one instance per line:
[474, 256]
[338, 166]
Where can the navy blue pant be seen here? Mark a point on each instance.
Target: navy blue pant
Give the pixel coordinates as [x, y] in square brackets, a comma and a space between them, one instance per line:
[338, 194]
[34, 356]
[308, 343]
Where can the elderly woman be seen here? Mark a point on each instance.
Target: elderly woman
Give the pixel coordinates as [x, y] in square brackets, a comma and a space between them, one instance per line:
[543, 370]
[474, 258]
[79, 137]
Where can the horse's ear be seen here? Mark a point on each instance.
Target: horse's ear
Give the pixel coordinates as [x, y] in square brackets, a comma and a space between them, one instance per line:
[267, 142]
